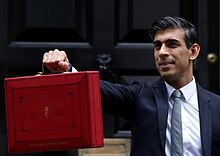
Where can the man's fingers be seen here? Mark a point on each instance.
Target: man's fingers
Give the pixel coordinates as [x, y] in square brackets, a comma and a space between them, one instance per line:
[52, 56]
[45, 57]
[62, 57]
[63, 65]
[56, 61]
[55, 56]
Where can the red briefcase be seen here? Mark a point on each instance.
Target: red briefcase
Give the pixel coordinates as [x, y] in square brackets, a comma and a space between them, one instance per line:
[53, 112]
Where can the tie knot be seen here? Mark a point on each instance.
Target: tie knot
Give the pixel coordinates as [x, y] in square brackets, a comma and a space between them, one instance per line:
[177, 94]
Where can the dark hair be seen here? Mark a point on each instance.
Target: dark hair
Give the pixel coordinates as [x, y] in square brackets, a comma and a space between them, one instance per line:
[173, 22]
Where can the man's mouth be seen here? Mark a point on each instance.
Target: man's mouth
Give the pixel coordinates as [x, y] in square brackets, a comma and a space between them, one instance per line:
[165, 63]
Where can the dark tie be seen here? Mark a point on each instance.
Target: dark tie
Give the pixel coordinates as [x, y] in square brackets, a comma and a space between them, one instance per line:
[176, 126]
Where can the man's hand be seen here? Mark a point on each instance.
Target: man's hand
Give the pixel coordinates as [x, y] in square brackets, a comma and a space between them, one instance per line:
[56, 61]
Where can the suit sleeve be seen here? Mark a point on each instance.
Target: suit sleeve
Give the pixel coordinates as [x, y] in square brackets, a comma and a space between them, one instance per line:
[120, 99]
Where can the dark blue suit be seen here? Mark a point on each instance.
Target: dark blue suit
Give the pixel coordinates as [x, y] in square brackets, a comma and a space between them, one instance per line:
[146, 106]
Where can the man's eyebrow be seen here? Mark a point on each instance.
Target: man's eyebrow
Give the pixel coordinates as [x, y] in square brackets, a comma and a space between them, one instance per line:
[156, 42]
[168, 40]
[173, 40]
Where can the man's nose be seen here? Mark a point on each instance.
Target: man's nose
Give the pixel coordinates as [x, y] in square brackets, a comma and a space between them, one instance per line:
[163, 50]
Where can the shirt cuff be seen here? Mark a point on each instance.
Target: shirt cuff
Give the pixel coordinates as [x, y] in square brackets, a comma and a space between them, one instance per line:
[71, 68]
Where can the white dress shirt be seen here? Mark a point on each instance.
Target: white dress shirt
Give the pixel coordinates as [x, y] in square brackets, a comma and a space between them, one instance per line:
[190, 121]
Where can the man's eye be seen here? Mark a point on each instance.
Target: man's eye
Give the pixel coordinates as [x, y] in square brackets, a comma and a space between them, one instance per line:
[173, 44]
[157, 46]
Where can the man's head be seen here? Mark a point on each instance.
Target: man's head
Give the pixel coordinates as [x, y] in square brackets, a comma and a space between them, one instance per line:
[175, 48]
[174, 23]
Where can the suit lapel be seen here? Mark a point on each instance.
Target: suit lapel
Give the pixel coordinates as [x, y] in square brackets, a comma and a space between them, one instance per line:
[205, 110]
[162, 107]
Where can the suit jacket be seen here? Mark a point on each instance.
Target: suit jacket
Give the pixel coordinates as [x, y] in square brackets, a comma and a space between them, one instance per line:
[146, 106]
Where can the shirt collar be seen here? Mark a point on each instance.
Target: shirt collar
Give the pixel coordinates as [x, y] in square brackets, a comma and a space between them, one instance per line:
[187, 90]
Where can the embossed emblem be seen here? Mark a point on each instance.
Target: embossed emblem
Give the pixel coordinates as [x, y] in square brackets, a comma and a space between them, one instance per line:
[46, 112]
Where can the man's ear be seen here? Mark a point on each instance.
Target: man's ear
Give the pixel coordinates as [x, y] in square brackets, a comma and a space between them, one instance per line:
[195, 49]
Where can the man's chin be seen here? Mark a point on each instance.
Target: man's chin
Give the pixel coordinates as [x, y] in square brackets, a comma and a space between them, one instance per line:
[167, 75]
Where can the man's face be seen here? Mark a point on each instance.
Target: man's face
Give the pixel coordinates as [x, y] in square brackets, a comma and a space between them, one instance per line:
[172, 58]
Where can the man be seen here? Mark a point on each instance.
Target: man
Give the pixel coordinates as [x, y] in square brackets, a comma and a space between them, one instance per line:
[149, 107]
